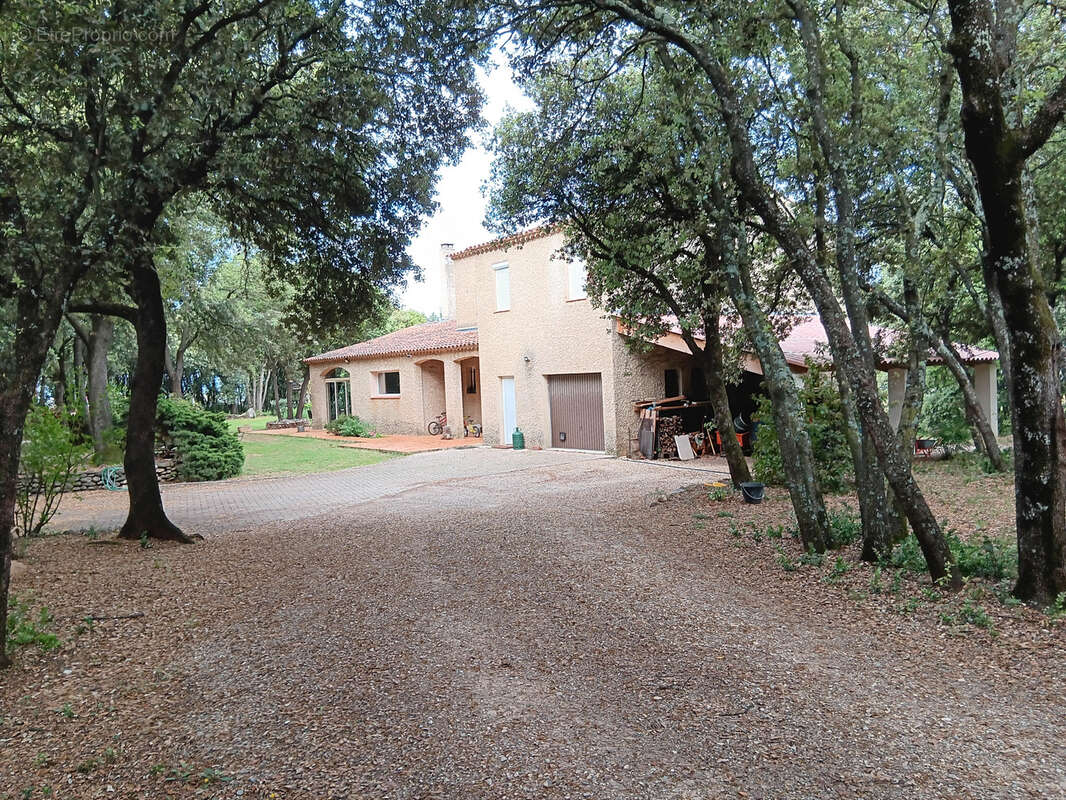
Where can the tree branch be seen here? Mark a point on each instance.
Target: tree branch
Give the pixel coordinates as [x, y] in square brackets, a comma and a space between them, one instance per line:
[128, 313]
[1033, 136]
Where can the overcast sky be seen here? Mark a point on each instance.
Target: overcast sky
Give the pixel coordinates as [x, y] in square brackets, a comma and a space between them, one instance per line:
[460, 218]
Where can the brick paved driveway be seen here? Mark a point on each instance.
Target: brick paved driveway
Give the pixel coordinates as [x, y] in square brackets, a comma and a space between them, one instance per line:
[242, 502]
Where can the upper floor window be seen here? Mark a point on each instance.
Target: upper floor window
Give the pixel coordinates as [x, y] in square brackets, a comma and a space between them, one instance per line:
[576, 276]
[503, 287]
[388, 383]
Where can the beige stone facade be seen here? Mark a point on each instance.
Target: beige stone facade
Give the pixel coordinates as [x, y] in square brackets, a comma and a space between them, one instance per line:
[424, 383]
[543, 332]
[546, 328]
[523, 329]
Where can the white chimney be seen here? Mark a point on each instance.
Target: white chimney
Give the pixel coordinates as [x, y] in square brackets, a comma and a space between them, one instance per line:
[446, 249]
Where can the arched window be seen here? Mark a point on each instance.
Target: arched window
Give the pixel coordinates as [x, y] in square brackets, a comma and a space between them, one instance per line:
[338, 394]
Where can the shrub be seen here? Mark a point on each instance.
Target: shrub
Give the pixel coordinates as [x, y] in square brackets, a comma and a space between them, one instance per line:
[207, 449]
[825, 426]
[844, 528]
[51, 453]
[991, 558]
[24, 628]
[350, 426]
[944, 412]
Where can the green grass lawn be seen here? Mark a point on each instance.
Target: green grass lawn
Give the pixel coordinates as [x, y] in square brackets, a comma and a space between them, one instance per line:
[277, 455]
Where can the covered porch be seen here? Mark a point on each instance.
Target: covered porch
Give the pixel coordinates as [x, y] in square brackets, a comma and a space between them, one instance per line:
[452, 384]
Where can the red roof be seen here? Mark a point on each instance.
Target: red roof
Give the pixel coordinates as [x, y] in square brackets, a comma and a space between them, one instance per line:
[429, 337]
[504, 242]
[808, 339]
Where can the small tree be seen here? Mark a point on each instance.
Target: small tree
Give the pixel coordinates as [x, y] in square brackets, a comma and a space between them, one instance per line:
[824, 410]
[51, 454]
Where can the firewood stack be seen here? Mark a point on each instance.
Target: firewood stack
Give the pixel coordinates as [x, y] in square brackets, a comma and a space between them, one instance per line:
[668, 428]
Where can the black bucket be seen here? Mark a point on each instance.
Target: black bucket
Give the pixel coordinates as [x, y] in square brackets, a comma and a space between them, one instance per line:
[753, 492]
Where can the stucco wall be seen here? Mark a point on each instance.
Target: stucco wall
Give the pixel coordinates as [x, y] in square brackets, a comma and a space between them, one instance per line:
[431, 374]
[641, 376]
[405, 413]
[543, 333]
[472, 400]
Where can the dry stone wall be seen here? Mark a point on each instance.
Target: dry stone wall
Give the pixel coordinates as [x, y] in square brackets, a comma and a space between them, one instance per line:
[166, 469]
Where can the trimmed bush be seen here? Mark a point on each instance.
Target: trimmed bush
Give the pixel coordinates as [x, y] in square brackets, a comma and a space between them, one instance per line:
[350, 426]
[207, 449]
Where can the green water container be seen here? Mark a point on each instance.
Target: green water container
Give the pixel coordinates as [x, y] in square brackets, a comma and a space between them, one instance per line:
[518, 440]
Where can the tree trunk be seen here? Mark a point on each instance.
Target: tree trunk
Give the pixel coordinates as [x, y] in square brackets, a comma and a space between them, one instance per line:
[878, 515]
[998, 154]
[288, 396]
[895, 463]
[277, 397]
[797, 456]
[175, 369]
[146, 515]
[36, 323]
[81, 400]
[879, 530]
[984, 439]
[913, 398]
[975, 415]
[719, 396]
[303, 392]
[60, 394]
[14, 404]
[100, 420]
[754, 192]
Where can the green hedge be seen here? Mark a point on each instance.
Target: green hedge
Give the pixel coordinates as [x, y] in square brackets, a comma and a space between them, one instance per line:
[207, 449]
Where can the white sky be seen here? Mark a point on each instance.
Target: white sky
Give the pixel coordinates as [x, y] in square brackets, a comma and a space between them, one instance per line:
[459, 192]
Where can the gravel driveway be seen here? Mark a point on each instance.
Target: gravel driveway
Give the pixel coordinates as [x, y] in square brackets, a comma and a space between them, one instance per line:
[547, 633]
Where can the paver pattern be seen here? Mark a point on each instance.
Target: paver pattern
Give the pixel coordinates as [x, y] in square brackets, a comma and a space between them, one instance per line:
[206, 508]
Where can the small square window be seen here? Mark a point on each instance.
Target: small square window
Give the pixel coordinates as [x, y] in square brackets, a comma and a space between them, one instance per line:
[388, 383]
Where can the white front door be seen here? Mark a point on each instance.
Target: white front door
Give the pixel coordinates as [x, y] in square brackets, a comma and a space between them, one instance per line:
[509, 420]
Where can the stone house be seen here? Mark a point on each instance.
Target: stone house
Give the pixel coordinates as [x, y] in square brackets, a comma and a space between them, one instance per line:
[522, 348]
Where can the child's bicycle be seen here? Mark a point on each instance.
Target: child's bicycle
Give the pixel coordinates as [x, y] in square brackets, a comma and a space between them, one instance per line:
[436, 425]
[472, 428]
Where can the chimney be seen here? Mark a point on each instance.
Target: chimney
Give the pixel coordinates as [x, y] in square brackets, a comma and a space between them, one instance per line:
[446, 249]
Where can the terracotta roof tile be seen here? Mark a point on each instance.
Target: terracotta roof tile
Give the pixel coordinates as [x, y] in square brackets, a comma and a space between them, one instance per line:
[807, 339]
[504, 242]
[429, 337]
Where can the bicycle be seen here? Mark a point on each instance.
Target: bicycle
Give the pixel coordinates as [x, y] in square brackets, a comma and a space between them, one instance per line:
[472, 428]
[436, 425]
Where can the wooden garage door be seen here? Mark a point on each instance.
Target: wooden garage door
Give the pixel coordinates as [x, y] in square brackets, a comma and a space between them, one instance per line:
[577, 411]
